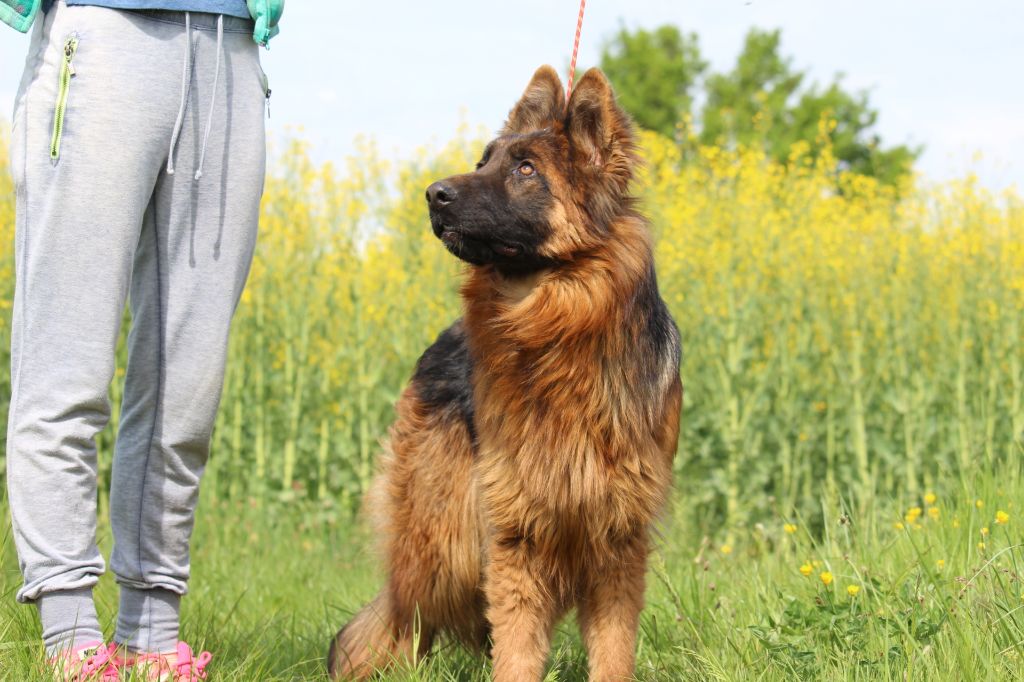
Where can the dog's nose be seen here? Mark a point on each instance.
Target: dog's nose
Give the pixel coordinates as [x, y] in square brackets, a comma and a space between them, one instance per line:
[439, 194]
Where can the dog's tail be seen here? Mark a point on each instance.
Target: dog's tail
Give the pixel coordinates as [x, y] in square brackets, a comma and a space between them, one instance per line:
[373, 640]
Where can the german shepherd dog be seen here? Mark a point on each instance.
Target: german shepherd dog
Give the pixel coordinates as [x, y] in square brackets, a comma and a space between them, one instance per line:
[532, 451]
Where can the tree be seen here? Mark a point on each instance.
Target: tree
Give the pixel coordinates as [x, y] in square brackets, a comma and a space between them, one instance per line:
[762, 101]
[654, 73]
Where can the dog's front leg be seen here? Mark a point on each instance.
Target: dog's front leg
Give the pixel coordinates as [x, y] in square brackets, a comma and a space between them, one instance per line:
[609, 613]
[520, 609]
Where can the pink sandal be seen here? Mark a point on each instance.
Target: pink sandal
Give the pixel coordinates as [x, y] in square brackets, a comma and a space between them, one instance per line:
[187, 668]
[86, 663]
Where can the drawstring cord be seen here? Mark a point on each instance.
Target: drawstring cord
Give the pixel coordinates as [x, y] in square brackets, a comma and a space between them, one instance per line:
[213, 95]
[186, 70]
[185, 82]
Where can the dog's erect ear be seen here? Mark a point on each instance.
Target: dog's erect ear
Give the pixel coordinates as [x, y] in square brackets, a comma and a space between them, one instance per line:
[541, 103]
[600, 131]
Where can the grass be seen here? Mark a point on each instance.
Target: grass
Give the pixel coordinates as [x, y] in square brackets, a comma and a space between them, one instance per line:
[272, 582]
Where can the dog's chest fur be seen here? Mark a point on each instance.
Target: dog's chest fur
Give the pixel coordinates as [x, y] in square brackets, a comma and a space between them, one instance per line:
[568, 426]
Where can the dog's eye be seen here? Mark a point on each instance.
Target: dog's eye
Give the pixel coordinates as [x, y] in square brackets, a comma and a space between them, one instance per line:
[526, 168]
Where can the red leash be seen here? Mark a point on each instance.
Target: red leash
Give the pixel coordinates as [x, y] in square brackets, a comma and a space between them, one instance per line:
[575, 50]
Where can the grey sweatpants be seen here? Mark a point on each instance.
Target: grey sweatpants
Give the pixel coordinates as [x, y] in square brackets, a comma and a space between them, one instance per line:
[100, 220]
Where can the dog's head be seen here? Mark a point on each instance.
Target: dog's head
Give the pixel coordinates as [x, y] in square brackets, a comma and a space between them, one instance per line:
[551, 184]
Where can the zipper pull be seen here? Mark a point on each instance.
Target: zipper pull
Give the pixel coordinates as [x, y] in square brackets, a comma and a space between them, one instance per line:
[69, 52]
[265, 82]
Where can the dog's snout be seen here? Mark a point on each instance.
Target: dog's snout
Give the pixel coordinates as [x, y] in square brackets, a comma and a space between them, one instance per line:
[440, 194]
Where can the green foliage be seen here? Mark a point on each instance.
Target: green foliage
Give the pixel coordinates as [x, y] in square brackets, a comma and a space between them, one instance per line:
[654, 73]
[273, 581]
[749, 104]
[762, 102]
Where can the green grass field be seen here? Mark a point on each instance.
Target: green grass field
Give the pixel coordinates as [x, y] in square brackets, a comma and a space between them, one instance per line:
[273, 582]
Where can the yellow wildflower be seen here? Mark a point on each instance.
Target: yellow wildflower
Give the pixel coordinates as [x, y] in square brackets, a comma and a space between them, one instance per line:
[789, 528]
[826, 578]
[984, 530]
[979, 503]
[1002, 517]
[806, 570]
[852, 590]
[898, 525]
[940, 564]
[956, 523]
[726, 549]
[929, 498]
[933, 513]
[981, 545]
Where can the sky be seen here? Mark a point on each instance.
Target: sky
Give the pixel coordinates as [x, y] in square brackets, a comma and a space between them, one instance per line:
[943, 73]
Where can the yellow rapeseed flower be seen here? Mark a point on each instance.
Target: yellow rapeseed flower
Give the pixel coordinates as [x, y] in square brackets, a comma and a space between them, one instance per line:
[806, 570]
[1002, 517]
[929, 498]
[826, 578]
[789, 528]
[852, 590]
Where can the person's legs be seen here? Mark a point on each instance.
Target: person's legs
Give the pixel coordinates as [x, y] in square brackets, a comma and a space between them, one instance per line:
[190, 268]
[89, 135]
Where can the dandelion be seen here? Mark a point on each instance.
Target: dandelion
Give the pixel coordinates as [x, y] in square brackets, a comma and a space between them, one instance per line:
[1002, 518]
[826, 578]
[789, 528]
[806, 570]
[726, 549]
[929, 498]
[852, 590]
